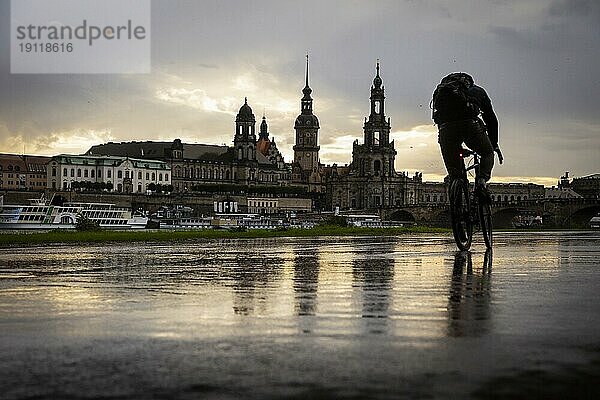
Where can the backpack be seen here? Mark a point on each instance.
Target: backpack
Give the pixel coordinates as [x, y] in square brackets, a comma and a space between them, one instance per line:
[451, 100]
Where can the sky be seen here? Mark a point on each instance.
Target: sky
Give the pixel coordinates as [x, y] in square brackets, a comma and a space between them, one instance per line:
[538, 60]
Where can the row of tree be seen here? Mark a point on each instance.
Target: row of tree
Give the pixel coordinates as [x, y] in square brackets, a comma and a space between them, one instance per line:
[248, 189]
[108, 186]
[92, 186]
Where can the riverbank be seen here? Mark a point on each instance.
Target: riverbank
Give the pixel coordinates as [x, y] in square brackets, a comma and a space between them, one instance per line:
[166, 236]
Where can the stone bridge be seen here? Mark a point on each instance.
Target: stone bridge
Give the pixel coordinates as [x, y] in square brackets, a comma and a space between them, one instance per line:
[559, 213]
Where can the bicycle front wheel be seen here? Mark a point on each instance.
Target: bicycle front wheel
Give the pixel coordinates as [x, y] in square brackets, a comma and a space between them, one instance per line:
[485, 220]
[460, 215]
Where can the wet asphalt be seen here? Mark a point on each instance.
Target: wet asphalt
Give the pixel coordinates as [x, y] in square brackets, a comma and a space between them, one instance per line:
[353, 318]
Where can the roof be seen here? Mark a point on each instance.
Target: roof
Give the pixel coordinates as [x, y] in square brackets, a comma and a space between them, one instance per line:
[154, 150]
[109, 161]
[161, 150]
[207, 152]
[263, 146]
[561, 193]
[593, 176]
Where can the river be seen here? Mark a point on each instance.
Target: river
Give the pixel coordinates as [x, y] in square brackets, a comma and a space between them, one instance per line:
[355, 317]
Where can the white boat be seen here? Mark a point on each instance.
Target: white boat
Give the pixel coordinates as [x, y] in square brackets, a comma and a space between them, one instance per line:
[595, 222]
[40, 215]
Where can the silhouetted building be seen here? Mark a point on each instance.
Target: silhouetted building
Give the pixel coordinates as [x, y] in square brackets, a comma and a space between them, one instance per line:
[587, 186]
[371, 180]
[195, 165]
[306, 168]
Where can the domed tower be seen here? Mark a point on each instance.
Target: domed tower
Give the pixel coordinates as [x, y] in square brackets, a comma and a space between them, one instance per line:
[306, 149]
[244, 142]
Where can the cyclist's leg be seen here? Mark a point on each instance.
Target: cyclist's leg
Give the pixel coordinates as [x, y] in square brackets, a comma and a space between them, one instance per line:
[450, 141]
[478, 140]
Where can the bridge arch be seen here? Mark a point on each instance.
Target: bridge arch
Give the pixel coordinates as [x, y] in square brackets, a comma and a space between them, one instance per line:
[402, 216]
[581, 217]
[503, 218]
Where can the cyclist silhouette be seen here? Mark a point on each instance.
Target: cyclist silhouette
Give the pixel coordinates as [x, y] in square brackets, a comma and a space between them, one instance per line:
[463, 113]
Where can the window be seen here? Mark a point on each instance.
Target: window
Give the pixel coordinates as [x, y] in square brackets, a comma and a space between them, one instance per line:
[119, 175]
[166, 177]
[65, 173]
[140, 175]
[79, 172]
[160, 177]
[92, 172]
[85, 173]
[153, 176]
[126, 174]
[53, 171]
[109, 174]
[72, 172]
[376, 138]
[377, 167]
[377, 106]
[147, 176]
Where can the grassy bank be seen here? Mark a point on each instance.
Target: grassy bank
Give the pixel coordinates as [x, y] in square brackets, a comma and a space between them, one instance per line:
[164, 236]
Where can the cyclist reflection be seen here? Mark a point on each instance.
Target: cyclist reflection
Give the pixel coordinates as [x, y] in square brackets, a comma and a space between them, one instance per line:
[470, 296]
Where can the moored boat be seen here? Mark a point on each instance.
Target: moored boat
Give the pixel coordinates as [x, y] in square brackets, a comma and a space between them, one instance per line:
[39, 214]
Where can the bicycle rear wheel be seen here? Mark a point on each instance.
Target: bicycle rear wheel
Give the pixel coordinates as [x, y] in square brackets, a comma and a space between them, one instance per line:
[485, 220]
[460, 216]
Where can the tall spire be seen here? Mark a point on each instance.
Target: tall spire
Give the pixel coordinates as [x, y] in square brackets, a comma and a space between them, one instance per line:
[307, 70]
[307, 90]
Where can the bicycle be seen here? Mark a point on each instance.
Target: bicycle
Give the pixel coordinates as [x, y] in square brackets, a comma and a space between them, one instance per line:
[466, 208]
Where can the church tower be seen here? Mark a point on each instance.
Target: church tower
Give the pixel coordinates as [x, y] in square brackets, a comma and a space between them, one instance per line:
[306, 149]
[377, 155]
[376, 128]
[244, 142]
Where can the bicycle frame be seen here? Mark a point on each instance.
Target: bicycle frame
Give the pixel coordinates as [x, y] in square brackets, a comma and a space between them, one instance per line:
[470, 212]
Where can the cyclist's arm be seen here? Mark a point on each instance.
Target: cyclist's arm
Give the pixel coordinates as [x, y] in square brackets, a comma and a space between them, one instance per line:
[488, 114]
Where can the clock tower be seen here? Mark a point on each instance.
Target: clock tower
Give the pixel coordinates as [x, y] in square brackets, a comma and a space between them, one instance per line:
[306, 149]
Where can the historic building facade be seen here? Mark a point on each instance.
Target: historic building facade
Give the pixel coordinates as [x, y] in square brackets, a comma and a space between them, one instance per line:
[124, 174]
[23, 172]
[371, 180]
[248, 162]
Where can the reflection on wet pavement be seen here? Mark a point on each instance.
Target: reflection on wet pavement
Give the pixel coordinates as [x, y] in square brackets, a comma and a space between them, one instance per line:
[268, 318]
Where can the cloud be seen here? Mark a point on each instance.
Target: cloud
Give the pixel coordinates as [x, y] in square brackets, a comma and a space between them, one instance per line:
[196, 98]
[537, 60]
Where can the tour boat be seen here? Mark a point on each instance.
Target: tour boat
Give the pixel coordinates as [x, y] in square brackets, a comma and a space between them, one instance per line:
[39, 215]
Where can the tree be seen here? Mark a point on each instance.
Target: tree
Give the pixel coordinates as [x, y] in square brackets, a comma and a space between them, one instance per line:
[85, 224]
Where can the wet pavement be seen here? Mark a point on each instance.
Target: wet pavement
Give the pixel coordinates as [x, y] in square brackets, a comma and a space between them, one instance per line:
[405, 317]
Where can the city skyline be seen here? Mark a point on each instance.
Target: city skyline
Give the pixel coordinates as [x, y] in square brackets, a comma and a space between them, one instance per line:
[534, 58]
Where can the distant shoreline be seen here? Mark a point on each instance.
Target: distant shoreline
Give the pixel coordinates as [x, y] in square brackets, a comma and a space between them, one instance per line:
[108, 236]
[56, 236]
